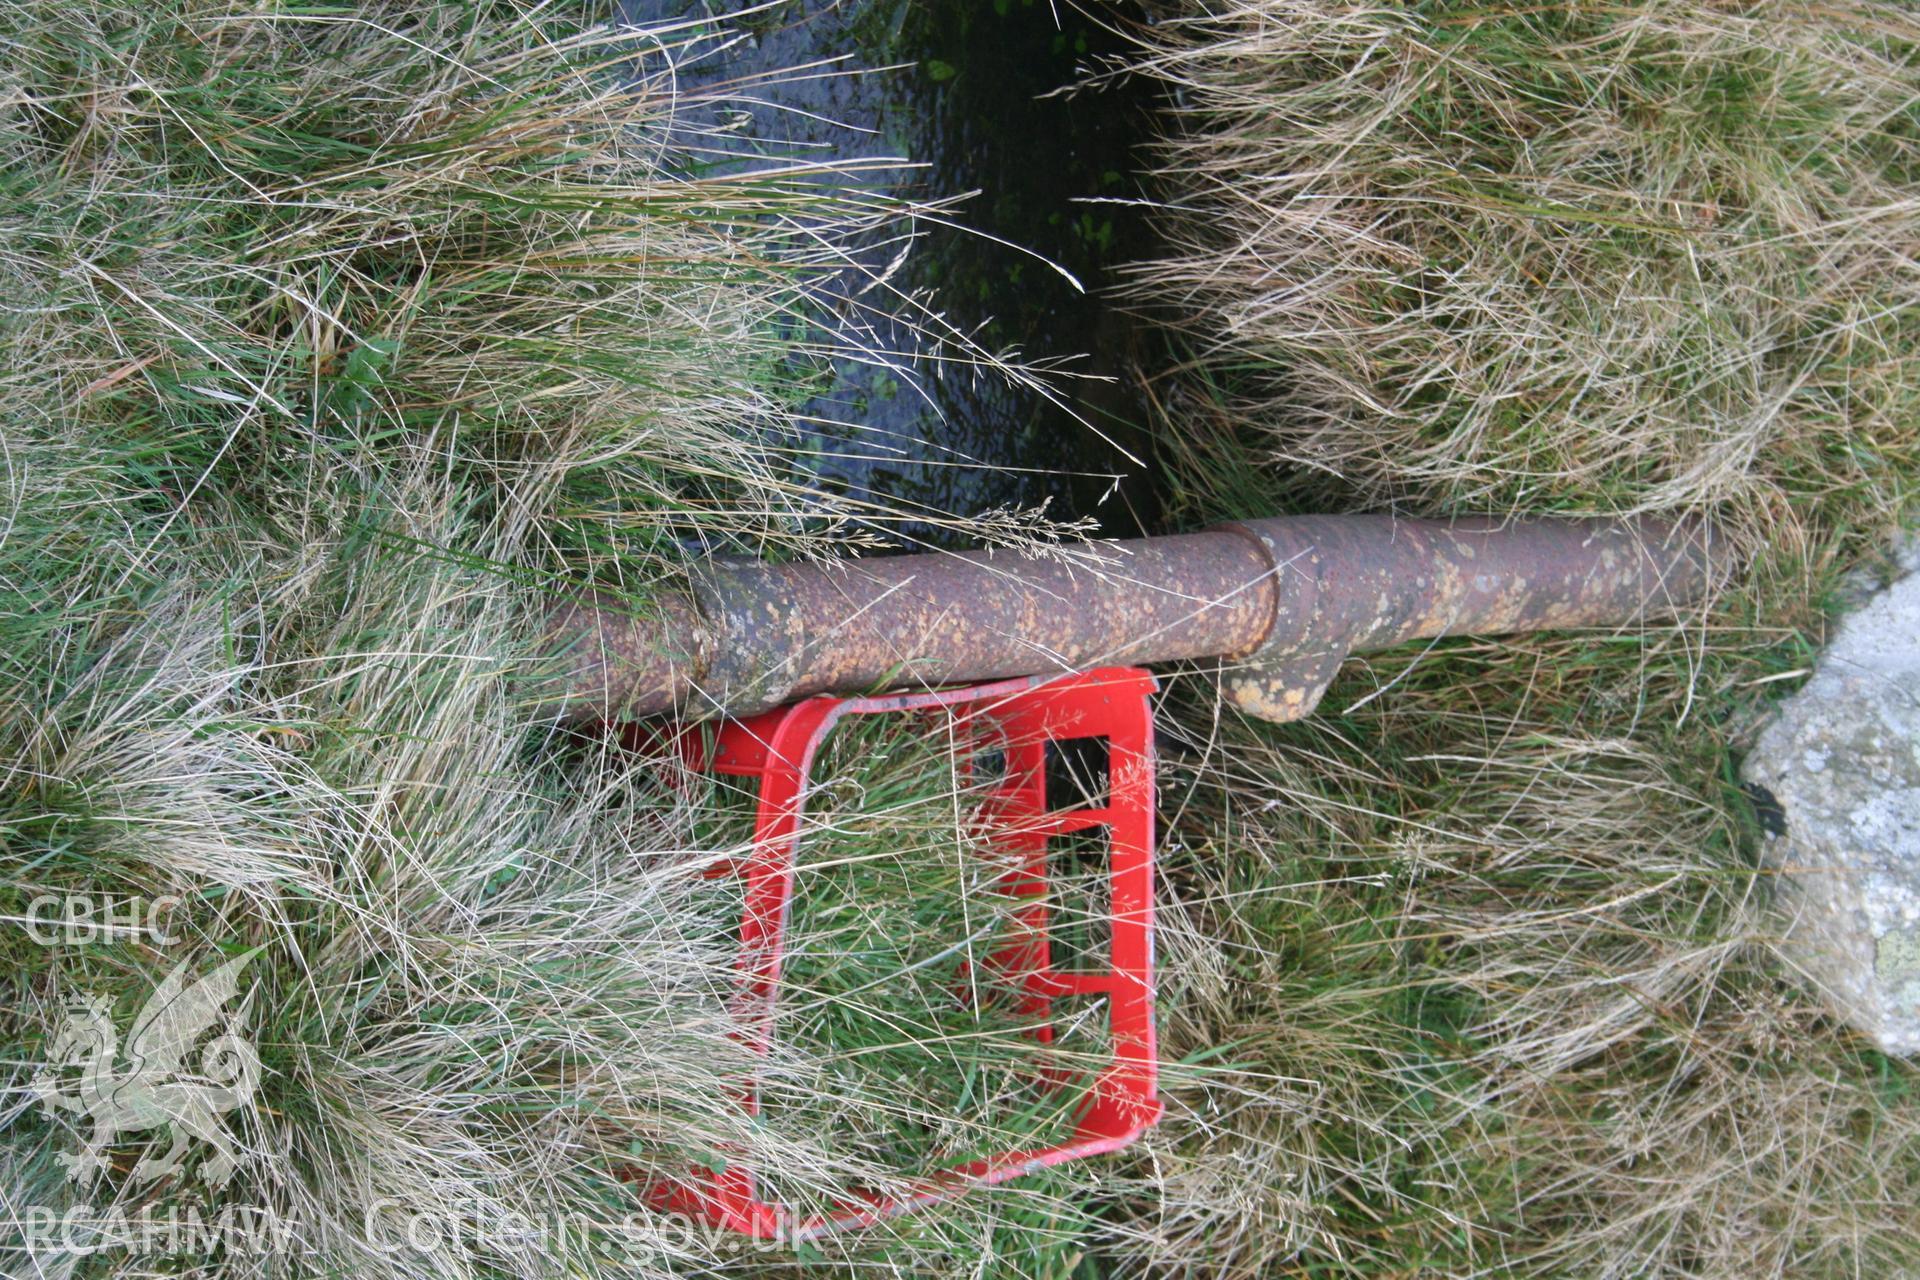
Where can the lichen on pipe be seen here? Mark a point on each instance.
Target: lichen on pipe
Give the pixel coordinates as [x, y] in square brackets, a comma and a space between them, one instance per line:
[1281, 602]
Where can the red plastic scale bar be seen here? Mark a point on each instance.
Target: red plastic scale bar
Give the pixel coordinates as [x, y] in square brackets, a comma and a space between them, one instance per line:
[1018, 717]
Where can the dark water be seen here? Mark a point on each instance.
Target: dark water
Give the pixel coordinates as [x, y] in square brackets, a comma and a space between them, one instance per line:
[961, 89]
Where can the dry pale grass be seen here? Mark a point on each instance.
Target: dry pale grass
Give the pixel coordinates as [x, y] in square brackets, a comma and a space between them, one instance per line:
[331, 336]
[1487, 994]
[1485, 944]
[1586, 258]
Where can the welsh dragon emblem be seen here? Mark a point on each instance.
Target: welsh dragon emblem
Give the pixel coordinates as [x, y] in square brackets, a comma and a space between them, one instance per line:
[156, 1089]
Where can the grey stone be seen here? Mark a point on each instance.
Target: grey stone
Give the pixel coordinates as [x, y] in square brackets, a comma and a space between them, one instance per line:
[1842, 762]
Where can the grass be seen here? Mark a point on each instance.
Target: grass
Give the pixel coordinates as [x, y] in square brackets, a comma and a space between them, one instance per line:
[1487, 936]
[1569, 260]
[336, 337]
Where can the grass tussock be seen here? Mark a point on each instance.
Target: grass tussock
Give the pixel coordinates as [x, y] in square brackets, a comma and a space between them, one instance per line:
[1522, 1018]
[267, 244]
[335, 337]
[1577, 258]
[1486, 941]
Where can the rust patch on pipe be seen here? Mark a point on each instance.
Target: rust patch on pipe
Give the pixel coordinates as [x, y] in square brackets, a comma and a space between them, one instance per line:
[611, 661]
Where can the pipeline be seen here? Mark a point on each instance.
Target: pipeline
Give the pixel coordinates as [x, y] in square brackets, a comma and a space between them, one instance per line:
[1281, 602]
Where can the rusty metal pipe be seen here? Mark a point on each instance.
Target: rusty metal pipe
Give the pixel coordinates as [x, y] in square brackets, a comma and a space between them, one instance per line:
[1281, 601]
